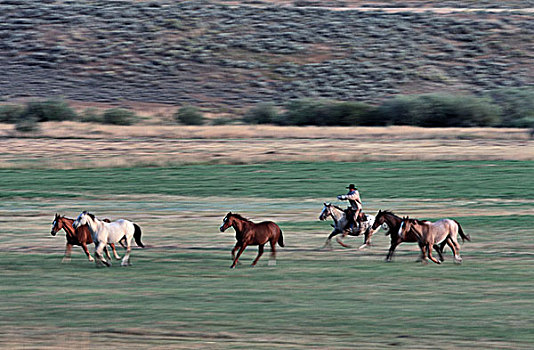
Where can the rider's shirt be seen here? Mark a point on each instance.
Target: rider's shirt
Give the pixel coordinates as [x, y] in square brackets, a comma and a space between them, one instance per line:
[354, 199]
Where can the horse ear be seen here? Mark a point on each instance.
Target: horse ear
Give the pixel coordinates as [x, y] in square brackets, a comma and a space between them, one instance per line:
[324, 203]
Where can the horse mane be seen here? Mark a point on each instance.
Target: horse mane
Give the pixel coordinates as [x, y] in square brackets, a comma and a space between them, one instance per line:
[240, 217]
[390, 212]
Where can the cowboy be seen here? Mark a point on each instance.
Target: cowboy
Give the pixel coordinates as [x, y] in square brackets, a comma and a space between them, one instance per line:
[353, 196]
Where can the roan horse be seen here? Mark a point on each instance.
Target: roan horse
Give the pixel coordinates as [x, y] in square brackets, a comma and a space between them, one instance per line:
[340, 226]
[432, 233]
[104, 233]
[249, 233]
[80, 237]
[393, 223]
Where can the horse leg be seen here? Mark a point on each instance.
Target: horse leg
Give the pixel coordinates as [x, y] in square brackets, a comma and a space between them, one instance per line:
[68, 250]
[236, 247]
[107, 253]
[272, 260]
[117, 257]
[241, 249]
[98, 253]
[367, 238]
[86, 250]
[126, 259]
[260, 253]
[429, 251]
[422, 257]
[340, 241]
[455, 247]
[439, 249]
[328, 242]
[392, 248]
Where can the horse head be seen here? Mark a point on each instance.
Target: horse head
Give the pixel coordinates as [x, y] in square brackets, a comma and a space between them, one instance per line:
[405, 227]
[379, 219]
[227, 222]
[326, 211]
[82, 219]
[57, 225]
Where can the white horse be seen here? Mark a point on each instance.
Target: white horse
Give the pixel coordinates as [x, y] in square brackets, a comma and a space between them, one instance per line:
[104, 233]
[341, 226]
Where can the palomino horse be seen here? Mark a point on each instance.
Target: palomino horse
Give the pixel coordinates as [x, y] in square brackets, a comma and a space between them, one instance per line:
[104, 233]
[250, 233]
[393, 222]
[340, 226]
[432, 233]
[80, 237]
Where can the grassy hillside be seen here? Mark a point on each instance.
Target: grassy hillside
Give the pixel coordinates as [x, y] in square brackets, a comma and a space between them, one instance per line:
[228, 55]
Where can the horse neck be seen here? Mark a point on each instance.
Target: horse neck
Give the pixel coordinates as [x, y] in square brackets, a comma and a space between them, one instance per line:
[93, 224]
[337, 214]
[240, 227]
[67, 226]
[392, 220]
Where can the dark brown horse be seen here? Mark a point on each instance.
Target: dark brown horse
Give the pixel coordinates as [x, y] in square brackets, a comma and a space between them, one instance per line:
[249, 233]
[80, 237]
[393, 223]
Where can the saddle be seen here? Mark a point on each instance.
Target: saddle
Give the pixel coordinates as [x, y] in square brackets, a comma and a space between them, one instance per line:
[349, 212]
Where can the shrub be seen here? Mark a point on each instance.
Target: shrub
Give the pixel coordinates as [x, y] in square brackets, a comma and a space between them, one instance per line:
[50, 110]
[310, 112]
[439, 110]
[10, 113]
[91, 115]
[517, 105]
[222, 121]
[27, 124]
[263, 113]
[189, 115]
[119, 116]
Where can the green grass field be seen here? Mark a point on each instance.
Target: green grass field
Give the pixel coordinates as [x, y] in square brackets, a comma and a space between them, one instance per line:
[180, 292]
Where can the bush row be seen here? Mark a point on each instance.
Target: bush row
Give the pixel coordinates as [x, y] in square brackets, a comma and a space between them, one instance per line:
[503, 108]
[27, 117]
[511, 107]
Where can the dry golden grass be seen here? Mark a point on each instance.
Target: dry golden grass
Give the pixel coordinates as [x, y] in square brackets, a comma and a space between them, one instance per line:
[74, 145]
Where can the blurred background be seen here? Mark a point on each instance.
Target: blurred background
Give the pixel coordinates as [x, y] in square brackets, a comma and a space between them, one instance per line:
[173, 113]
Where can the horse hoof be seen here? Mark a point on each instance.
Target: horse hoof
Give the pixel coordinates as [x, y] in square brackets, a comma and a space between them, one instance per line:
[91, 259]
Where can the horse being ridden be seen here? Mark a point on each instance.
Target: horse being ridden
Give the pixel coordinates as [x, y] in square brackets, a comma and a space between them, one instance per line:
[432, 233]
[104, 233]
[250, 233]
[341, 225]
[80, 237]
[393, 223]
[356, 208]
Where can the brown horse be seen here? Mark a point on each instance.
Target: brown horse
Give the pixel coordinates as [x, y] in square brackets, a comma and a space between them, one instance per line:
[393, 222]
[249, 233]
[80, 237]
[431, 233]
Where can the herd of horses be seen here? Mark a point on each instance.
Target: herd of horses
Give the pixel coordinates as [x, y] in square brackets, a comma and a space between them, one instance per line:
[87, 229]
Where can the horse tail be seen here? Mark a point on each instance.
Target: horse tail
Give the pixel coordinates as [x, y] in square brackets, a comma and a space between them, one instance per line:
[461, 232]
[281, 238]
[137, 236]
